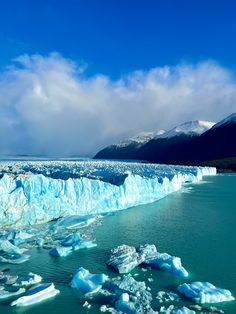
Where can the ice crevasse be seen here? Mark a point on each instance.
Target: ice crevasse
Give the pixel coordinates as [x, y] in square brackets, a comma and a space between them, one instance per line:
[33, 198]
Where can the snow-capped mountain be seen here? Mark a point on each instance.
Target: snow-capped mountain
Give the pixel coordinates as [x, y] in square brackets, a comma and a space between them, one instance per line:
[191, 128]
[131, 148]
[139, 139]
[189, 143]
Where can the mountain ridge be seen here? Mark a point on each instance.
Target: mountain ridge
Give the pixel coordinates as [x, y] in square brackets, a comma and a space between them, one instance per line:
[189, 143]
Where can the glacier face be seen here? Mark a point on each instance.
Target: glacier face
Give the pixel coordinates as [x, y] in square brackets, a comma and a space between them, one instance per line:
[33, 192]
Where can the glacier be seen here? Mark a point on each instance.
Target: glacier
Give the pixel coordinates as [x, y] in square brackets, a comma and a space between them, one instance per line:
[34, 192]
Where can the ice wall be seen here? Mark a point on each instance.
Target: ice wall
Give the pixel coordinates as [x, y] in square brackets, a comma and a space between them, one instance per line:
[29, 198]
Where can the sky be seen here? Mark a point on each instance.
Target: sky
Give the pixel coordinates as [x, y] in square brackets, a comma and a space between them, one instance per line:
[78, 75]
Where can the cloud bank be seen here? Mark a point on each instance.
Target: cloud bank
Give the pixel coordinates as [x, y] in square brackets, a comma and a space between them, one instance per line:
[49, 106]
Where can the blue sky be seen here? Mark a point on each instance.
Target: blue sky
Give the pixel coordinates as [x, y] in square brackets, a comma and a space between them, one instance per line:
[76, 76]
[117, 36]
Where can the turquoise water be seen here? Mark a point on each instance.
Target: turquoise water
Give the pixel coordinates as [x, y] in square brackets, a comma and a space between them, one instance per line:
[197, 224]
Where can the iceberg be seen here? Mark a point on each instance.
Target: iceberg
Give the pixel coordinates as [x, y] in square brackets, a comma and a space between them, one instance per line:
[82, 279]
[38, 192]
[37, 294]
[132, 296]
[124, 258]
[205, 292]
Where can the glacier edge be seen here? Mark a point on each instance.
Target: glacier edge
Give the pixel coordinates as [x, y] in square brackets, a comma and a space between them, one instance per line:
[28, 199]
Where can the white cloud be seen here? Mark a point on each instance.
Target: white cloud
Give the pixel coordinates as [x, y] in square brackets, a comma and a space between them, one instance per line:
[48, 105]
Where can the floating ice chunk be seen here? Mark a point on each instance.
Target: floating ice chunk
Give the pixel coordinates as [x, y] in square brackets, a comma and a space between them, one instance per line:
[161, 260]
[86, 304]
[39, 242]
[4, 294]
[19, 260]
[28, 280]
[72, 239]
[84, 245]
[37, 294]
[76, 242]
[82, 279]
[176, 310]
[124, 258]
[60, 251]
[72, 242]
[164, 296]
[7, 247]
[133, 296]
[167, 262]
[10, 280]
[18, 237]
[205, 292]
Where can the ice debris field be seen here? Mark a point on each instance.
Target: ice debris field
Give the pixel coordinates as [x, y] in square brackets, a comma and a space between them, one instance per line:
[51, 205]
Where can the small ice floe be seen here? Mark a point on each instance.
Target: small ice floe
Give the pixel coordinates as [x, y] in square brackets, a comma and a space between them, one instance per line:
[164, 296]
[7, 279]
[60, 251]
[76, 221]
[84, 280]
[176, 310]
[132, 296]
[4, 294]
[162, 261]
[72, 242]
[124, 258]
[109, 309]
[86, 304]
[37, 294]
[205, 292]
[16, 260]
[28, 280]
[39, 242]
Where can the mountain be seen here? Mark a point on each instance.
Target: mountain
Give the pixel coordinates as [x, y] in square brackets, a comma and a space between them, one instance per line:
[194, 142]
[191, 128]
[161, 143]
[127, 148]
